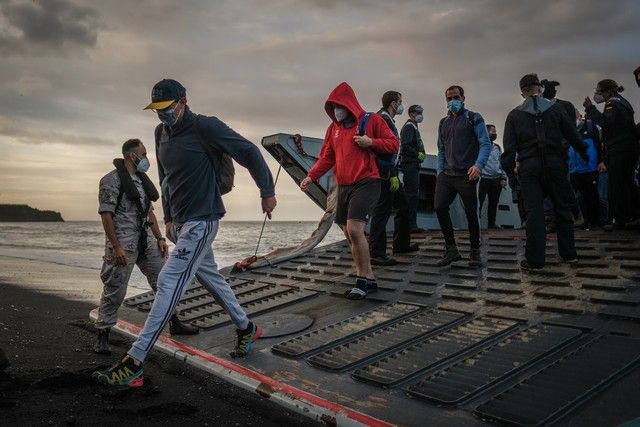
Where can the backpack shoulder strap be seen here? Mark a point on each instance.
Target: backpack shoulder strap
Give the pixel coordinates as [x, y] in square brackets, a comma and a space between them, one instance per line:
[206, 147]
[362, 126]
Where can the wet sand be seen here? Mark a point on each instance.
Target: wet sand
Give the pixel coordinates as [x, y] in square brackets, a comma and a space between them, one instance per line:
[47, 337]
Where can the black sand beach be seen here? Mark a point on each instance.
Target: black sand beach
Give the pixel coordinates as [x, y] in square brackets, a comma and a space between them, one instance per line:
[45, 333]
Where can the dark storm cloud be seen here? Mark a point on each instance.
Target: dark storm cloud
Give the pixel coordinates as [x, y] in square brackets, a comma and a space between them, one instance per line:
[54, 26]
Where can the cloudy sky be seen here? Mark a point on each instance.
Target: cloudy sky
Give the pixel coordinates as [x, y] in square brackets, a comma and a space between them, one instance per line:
[75, 74]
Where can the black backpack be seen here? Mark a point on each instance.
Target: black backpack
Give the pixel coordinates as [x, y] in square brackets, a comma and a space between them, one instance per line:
[384, 161]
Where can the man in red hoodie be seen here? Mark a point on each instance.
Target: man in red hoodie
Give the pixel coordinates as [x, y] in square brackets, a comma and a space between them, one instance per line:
[353, 158]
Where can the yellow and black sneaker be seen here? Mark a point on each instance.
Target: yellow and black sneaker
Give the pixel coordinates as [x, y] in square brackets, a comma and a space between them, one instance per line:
[245, 339]
[125, 372]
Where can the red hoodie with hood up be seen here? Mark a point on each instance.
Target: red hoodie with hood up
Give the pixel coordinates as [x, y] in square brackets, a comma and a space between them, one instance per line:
[352, 163]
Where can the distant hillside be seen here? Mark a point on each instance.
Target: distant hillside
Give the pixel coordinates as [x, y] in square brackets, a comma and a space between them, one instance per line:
[18, 213]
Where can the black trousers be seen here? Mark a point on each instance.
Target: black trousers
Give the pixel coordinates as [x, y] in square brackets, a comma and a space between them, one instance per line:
[490, 187]
[538, 182]
[623, 195]
[381, 213]
[447, 187]
[587, 185]
[411, 178]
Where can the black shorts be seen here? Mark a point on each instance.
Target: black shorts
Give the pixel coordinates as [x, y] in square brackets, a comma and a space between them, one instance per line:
[356, 202]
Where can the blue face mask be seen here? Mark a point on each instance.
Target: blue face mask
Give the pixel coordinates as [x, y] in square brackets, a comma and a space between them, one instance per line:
[455, 105]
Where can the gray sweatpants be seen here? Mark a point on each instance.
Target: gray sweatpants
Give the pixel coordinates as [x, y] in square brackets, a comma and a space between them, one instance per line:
[115, 279]
[192, 256]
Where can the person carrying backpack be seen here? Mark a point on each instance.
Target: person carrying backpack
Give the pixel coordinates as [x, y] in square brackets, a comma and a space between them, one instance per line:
[191, 214]
[463, 150]
[584, 175]
[354, 159]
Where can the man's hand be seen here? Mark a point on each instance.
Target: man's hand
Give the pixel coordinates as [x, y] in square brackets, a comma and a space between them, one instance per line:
[120, 256]
[363, 141]
[394, 184]
[304, 185]
[587, 102]
[421, 156]
[602, 168]
[503, 183]
[268, 205]
[162, 246]
[474, 173]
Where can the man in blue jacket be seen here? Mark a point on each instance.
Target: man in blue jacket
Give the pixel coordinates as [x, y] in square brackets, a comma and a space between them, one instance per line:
[191, 214]
[463, 150]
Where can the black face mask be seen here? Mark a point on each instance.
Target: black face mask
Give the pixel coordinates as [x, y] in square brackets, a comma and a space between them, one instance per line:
[493, 136]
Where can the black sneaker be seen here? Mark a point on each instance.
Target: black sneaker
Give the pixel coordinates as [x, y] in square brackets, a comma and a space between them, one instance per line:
[246, 339]
[125, 372]
[524, 264]
[570, 261]
[451, 254]
[385, 260]
[474, 258]
[178, 327]
[361, 289]
[494, 227]
[102, 344]
[418, 230]
[414, 247]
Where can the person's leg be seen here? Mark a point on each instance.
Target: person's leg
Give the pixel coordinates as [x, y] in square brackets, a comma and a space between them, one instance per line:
[379, 219]
[209, 276]
[411, 180]
[559, 190]
[360, 247]
[445, 193]
[603, 196]
[114, 279]
[483, 190]
[468, 191]
[193, 239]
[617, 184]
[587, 186]
[401, 221]
[532, 197]
[494, 197]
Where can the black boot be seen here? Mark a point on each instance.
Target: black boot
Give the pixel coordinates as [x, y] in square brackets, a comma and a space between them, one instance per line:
[178, 327]
[451, 254]
[102, 345]
[474, 258]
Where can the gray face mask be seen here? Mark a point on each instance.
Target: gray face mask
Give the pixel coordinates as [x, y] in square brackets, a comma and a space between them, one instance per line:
[142, 165]
[598, 98]
[419, 118]
[340, 113]
[170, 116]
[399, 109]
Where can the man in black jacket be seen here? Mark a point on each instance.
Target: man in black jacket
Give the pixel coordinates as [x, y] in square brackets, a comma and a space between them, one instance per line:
[534, 132]
[411, 156]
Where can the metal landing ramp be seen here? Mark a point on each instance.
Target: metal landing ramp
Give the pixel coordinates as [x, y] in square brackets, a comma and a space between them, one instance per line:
[437, 346]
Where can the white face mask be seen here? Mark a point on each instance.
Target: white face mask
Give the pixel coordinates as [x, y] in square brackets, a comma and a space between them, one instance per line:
[598, 98]
[419, 118]
[143, 165]
[340, 113]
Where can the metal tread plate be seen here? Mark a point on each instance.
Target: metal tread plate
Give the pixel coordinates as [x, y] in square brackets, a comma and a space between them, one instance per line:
[555, 390]
[465, 379]
[331, 335]
[271, 302]
[431, 352]
[382, 341]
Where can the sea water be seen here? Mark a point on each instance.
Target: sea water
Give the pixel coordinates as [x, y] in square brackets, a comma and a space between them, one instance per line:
[81, 243]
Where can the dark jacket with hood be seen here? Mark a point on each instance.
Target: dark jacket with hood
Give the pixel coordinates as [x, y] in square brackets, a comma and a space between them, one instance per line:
[618, 125]
[352, 163]
[521, 139]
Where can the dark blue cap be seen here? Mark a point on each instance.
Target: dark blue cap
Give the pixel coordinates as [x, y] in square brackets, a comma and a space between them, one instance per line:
[165, 93]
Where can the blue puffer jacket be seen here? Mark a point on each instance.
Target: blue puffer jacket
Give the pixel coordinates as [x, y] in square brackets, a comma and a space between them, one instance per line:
[576, 164]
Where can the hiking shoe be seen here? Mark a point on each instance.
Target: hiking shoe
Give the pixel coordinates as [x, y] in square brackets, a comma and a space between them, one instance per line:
[414, 247]
[524, 264]
[451, 254]
[102, 344]
[178, 327]
[474, 258]
[384, 260]
[125, 372]
[362, 288]
[246, 339]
